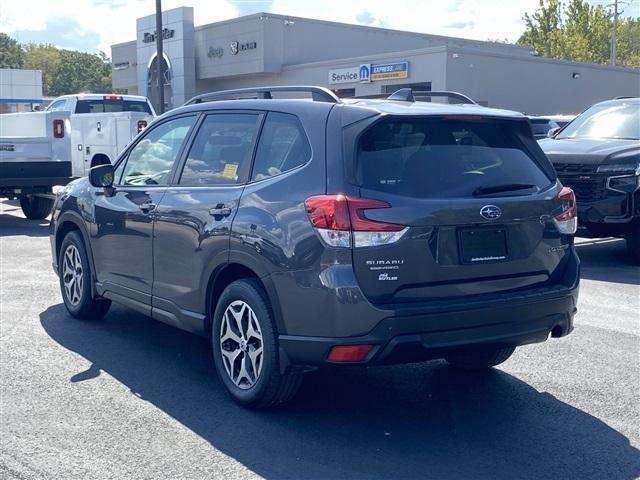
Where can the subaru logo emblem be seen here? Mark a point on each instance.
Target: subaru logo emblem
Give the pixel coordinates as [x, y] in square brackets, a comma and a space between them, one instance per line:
[491, 212]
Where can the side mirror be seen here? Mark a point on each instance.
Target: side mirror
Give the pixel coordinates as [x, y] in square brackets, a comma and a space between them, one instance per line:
[101, 176]
[552, 133]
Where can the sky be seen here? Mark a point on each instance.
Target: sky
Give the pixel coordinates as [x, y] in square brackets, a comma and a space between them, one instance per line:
[95, 25]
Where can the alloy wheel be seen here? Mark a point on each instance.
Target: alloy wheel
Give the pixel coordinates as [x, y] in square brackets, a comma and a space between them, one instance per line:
[72, 275]
[241, 344]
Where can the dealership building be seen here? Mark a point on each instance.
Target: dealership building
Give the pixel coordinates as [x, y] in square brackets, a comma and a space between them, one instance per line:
[268, 49]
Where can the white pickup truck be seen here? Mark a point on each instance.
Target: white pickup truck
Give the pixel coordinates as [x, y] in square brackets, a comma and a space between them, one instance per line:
[39, 150]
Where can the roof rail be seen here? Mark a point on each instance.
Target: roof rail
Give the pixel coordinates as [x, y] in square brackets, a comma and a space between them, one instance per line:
[624, 97]
[409, 95]
[318, 94]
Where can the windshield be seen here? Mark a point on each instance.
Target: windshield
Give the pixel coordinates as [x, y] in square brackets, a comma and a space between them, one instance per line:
[606, 121]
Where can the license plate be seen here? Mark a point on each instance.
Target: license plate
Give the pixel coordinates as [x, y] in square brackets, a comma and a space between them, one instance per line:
[483, 245]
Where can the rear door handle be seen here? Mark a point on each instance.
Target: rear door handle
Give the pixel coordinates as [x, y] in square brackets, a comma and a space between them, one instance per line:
[147, 207]
[220, 210]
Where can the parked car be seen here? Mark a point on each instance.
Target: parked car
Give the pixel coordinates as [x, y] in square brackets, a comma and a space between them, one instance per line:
[561, 120]
[298, 234]
[540, 126]
[39, 150]
[598, 156]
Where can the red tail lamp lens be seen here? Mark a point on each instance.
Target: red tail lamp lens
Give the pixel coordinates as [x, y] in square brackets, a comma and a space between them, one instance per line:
[58, 128]
[349, 353]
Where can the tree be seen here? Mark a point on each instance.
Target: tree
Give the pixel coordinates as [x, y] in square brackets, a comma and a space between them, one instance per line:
[629, 42]
[11, 52]
[46, 58]
[68, 71]
[580, 32]
[82, 72]
[543, 29]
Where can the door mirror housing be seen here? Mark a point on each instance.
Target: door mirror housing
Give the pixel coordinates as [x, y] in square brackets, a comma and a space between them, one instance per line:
[101, 176]
[552, 133]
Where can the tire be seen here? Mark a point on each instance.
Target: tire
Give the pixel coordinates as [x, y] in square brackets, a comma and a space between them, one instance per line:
[633, 244]
[481, 360]
[74, 271]
[252, 379]
[35, 208]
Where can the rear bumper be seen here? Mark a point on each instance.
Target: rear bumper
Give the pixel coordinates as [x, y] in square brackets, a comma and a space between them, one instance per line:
[30, 176]
[407, 339]
[511, 319]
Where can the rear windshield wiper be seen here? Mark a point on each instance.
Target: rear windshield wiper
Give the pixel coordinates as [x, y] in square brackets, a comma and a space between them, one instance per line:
[507, 187]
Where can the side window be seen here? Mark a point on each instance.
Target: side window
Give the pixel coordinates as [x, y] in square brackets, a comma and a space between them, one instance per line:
[150, 161]
[283, 145]
[222, 149]
[57, 106]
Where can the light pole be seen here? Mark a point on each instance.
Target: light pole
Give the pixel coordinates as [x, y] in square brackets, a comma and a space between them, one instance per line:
[159, 57]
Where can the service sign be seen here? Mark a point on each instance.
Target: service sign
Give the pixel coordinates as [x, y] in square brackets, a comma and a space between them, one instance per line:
[344, 75]
[386, 71]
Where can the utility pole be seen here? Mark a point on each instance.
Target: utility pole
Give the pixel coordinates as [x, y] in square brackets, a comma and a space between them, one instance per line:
[160, 56]
[614, 34]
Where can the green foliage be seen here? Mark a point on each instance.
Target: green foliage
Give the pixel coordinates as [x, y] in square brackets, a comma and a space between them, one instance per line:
[81, 72]
[45, 58]
[11, 52]
[581, 32]
[63, 71]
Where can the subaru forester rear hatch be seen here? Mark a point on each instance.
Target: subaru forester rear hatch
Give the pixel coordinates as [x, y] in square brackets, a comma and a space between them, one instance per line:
[454, 205]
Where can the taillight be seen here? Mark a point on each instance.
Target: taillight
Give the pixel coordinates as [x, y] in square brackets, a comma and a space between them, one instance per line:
[142, 124]
[112, 98]
[567, 220]
[58, 128]
[340, 221]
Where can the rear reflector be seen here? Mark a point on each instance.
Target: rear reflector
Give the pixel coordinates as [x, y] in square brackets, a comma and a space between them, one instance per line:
[58, 128]
[142, 124]
[567, 221]
[340, 220]
[112, 98]
[349, 353]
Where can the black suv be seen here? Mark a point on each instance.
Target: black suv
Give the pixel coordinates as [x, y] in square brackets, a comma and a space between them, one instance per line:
[298, 234]
[598, 156]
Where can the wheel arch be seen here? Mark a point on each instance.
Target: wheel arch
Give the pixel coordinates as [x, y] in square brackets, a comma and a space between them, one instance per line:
[229, 273]
[67, 222]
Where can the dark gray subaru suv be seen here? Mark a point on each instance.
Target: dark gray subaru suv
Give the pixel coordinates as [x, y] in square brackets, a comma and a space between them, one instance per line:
[298, 233]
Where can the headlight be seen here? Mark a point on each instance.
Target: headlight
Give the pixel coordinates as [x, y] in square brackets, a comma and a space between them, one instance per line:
[620, 168]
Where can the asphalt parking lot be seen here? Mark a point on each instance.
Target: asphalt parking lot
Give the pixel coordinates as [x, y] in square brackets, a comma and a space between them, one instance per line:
[130, 397]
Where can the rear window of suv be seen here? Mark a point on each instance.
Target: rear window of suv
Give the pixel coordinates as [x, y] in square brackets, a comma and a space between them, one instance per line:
[439, 157]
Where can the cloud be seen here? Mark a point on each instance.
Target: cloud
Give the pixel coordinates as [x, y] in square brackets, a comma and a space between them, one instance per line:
[254, 6]
[114, 21]
[459, 25]
[475, 19]
[365, 18]
[64, 33]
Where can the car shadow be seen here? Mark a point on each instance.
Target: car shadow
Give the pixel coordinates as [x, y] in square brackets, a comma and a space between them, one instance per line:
[13, 222]
[606, 260]
[416, 421]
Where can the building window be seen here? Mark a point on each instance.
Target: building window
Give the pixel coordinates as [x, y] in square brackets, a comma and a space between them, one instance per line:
[345, 92]
[422, 86]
